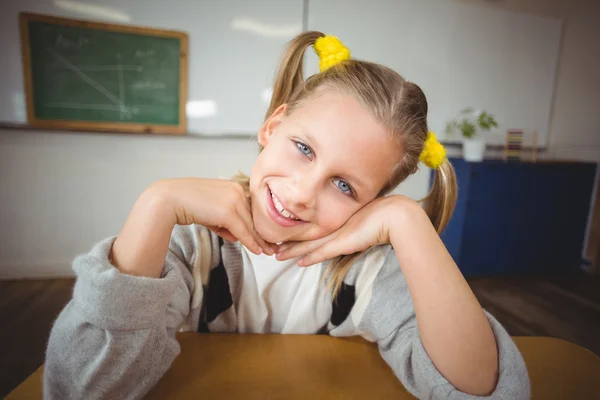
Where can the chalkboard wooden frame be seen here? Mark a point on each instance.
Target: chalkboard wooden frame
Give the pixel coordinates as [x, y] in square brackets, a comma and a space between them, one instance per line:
[25, 18]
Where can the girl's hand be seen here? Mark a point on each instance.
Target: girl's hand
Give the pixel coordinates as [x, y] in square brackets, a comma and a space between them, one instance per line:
[218, 204]
[369, 227]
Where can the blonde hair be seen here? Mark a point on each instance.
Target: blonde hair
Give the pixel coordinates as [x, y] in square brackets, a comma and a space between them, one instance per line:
[395, 102]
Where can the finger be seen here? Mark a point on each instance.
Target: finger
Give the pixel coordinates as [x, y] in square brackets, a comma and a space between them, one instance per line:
[271, 248]
[286, 245]
[343, 245]
[325, 252]
[267, 247]
[225, 234]
[246, 214]
[302, 248]
[239, 229]
[222, 232]
[246, 217]
[246, 202]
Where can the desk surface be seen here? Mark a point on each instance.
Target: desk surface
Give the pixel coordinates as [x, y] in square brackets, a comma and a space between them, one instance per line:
[230, 366]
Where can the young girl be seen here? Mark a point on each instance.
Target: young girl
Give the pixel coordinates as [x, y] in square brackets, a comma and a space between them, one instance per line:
[309, 243]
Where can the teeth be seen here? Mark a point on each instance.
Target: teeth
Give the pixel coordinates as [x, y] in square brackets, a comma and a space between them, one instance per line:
[282, 210]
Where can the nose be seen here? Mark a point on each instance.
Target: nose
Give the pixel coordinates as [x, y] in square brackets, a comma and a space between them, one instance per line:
[303, 190]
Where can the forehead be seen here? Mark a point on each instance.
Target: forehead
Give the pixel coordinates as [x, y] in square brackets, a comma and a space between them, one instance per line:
[346, 138]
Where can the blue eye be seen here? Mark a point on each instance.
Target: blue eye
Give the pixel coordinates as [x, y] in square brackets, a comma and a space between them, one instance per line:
[344, 186]
[304, 148]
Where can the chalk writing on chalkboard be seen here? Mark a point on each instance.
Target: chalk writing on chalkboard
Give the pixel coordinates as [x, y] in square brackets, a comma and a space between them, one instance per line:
[116, 101]
[97, 76]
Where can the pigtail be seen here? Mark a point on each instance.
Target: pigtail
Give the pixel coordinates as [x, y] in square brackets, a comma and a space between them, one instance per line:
[289, 76]
[396, 103]
[439, 203]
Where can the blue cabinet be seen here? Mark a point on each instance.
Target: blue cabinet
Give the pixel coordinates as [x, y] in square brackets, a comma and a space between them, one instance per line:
[519, 217]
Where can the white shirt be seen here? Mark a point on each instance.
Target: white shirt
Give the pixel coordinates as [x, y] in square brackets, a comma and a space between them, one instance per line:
[281, 297]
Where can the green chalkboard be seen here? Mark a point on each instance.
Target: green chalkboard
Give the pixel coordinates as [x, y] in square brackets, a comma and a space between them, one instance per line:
[80, 74]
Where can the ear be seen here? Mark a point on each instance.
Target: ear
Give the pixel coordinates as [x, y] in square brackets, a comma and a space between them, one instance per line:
[265, 132]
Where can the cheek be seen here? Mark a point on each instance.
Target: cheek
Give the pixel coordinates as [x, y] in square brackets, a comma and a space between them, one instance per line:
[260, 169]
[275, 159]
[329, 221]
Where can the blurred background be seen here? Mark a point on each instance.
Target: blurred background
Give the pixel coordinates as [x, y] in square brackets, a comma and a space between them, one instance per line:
[526, 231]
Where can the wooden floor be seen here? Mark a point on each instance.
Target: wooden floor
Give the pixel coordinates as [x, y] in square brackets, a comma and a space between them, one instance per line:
[563, 306]
[28, 309]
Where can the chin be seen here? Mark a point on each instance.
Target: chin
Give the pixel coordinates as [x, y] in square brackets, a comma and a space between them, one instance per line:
[267, 234]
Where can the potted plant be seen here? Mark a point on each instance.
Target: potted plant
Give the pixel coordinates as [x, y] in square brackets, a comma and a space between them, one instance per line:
[470, 122]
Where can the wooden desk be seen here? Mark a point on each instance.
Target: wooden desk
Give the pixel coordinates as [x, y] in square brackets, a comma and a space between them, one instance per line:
[222, 366]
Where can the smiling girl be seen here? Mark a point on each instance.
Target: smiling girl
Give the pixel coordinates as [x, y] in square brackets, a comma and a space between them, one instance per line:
[310, 243]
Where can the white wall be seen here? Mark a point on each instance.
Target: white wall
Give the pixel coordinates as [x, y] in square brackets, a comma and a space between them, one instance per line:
[221, 98]
[62, 192]
[460, 55]
[575, 123]
[575, 120]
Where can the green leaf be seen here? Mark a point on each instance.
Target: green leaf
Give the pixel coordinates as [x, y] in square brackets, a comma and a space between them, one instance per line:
[468, 129]
[468, 123]
[450, 127]
[486, 121]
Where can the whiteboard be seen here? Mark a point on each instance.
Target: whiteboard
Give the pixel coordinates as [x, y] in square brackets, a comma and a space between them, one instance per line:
[459, 54]
[234, 49]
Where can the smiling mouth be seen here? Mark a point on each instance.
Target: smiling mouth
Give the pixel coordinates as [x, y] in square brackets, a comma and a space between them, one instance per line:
[278, 213]
[282, 211]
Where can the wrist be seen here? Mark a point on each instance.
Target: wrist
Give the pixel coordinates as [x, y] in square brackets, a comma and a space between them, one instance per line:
[142, 245]
[406, 216]
[157, 200]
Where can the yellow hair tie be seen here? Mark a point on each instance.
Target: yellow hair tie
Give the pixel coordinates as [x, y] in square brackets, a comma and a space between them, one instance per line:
[433, 154]
[330, 51]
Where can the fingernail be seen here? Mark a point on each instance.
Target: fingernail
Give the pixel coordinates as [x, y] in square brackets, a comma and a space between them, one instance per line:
[260, 250]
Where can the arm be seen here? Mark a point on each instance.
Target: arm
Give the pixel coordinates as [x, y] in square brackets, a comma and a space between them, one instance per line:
[445, 340]
[383, 312]
[141, 247]
[116, 337]
[452, 325]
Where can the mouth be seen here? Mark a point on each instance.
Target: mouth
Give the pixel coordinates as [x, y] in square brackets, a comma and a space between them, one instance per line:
[279, 214]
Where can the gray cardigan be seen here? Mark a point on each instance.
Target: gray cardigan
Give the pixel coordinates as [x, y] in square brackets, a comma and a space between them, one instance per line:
[116, 336]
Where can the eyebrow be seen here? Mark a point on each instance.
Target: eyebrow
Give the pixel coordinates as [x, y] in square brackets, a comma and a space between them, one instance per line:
[311, 138]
